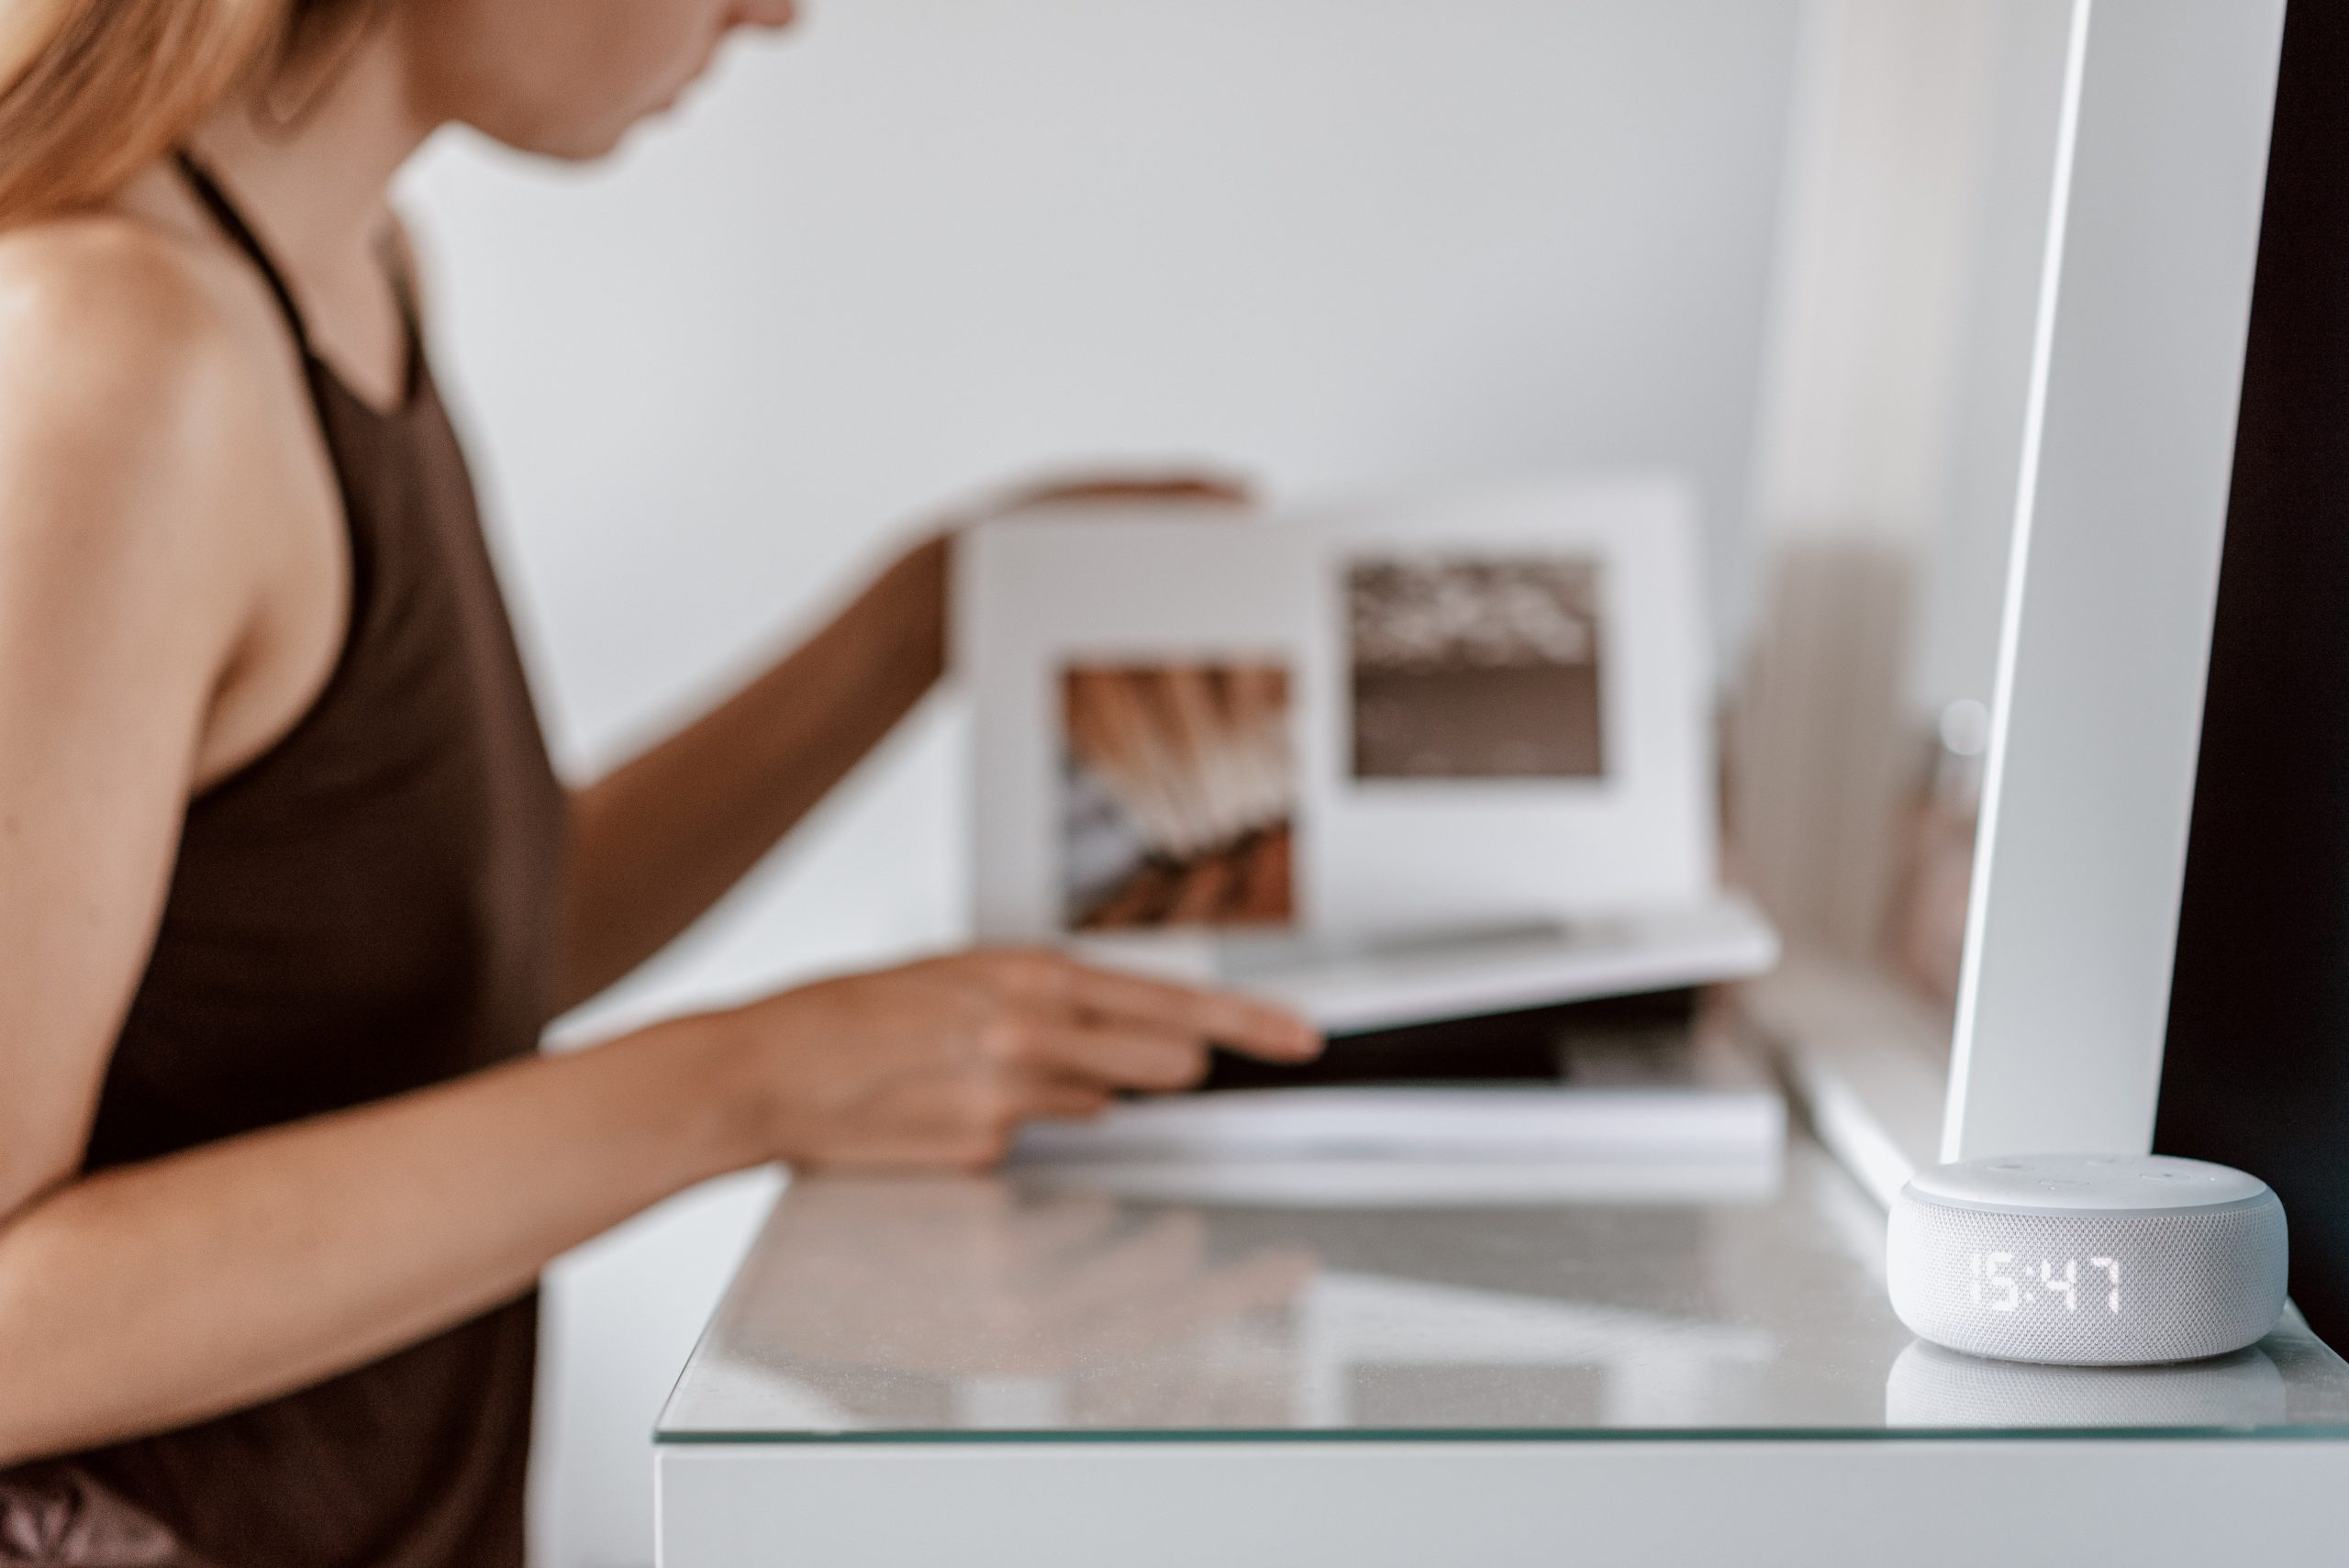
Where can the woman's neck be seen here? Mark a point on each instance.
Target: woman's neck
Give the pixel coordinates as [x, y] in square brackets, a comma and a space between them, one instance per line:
[309, 163]
[313, 166]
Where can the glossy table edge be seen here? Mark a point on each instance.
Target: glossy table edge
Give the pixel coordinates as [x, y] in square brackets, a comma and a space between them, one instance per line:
[1291, 1437]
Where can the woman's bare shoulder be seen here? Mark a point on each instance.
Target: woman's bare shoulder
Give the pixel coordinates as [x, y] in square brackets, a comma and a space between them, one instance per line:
[145, 371]
[154, 447]
[105, 318]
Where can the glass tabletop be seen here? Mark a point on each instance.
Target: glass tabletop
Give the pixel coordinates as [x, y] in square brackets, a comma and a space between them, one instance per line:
[1141, 1303]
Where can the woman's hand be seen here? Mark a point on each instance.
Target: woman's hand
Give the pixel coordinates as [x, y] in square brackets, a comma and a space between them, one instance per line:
[937, 1064]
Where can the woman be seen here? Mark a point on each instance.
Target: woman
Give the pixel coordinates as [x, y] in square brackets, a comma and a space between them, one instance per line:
[287, 887]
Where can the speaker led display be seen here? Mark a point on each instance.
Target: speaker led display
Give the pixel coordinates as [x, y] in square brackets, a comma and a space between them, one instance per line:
[2088, 1260]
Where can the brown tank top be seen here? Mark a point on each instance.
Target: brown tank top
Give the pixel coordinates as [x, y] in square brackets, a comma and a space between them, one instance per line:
[369, 907]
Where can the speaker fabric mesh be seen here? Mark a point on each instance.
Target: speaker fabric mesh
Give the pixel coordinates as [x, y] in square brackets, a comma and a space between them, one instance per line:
[2193, 1282]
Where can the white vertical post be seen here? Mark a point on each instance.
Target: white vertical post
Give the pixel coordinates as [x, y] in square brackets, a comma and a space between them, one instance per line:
[2097, 725]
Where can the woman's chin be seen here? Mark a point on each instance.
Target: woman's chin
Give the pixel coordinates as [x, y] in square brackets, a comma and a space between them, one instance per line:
[578, 145]
[569, 141]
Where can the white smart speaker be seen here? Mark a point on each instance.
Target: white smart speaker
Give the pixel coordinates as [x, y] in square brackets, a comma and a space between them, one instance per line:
[2088, 1260]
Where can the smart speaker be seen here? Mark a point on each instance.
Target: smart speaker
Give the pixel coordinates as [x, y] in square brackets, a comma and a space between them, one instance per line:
[2087, 1260]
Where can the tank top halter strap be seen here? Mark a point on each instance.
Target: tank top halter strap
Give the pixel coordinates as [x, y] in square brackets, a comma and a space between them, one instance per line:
[240, 234]
[233, 223]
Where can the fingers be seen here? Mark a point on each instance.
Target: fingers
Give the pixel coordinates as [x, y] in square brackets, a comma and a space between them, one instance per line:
[955, 1053]
[1256, 1029]
[969, 1125]
[1062, 1099]
[1121, 1058]
[992, 1099]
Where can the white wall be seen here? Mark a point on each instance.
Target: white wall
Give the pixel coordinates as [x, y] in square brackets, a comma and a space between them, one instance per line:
[1956, 656]
[929, 245]
[1894, 387]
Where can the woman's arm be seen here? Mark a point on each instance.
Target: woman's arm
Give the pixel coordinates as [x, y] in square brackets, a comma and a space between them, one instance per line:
[657, 842]
[155, 1294]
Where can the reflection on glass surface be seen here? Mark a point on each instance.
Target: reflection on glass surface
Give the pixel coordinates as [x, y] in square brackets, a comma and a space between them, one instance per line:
[1027, 1305]
[1015, 1303]
[1930, 1386]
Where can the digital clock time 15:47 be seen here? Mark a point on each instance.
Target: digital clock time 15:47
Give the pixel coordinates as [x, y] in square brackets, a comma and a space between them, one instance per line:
[1996, 1286]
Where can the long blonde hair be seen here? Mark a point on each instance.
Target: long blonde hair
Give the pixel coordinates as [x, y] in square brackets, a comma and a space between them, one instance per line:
[92, 91]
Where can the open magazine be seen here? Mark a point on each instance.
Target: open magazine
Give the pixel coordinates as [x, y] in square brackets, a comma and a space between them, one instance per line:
[1416, 769]
[1390, 762]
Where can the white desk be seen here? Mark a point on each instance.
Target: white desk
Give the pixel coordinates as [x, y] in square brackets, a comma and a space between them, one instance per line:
[1014, 1370]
